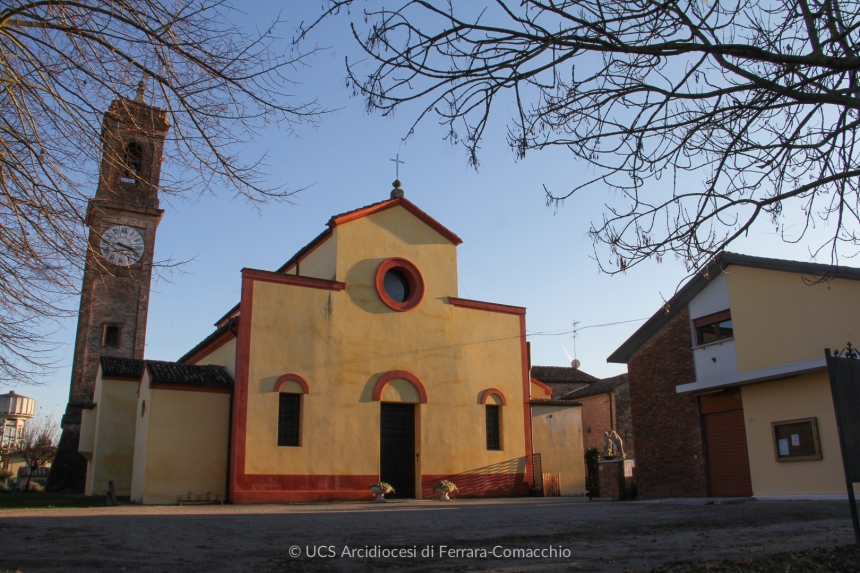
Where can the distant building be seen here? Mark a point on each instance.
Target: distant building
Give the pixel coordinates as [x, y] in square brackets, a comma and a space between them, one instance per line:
[15, 410]
[562, 379]
[605, 407]
[605, 402]
[729, 388]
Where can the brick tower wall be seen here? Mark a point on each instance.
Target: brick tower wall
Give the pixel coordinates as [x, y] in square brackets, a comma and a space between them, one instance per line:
[111, 294]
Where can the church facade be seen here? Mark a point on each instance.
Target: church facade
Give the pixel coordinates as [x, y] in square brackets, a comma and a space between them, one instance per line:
[354, 362]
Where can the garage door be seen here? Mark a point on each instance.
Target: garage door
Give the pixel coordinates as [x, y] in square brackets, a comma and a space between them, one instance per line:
[726, 445]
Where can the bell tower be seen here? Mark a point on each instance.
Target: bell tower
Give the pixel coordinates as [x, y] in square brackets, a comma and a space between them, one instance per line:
[122, 220]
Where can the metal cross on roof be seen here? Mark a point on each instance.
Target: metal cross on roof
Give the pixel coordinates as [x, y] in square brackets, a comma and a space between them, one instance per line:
[397, 162]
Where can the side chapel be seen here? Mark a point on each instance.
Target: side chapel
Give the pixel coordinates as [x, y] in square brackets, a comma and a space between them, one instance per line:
[355, 361]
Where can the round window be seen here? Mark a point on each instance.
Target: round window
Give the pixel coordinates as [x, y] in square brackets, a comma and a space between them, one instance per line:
[399, 284]
[396, 285]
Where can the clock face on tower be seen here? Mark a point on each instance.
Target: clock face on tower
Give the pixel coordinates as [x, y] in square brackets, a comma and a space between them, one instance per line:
[122, 245]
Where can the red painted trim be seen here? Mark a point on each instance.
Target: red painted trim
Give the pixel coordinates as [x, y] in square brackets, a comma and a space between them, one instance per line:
[310, 248]
[505, 484]
[279, 488]
[306, 482]
[188, 388]
[294, 378]
[240, 389]
[527, 410]
[399, 202]
[301, 496]
[493, 391]
[210, 348]
[542, 385]
[406, 375]
[230, 314]
[489, 306]
[413, 275]
[280, 278]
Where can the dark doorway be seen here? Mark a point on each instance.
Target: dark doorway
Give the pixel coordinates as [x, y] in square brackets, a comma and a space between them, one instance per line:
[726, 444]
[397, 449]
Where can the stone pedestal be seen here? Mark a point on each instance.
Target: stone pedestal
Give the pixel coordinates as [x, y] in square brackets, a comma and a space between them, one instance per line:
[611, 473]
[616, 479]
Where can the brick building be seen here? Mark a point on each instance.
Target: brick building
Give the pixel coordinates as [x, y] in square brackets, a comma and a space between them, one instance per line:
[605, 402]
[605, 407]
[728, 386]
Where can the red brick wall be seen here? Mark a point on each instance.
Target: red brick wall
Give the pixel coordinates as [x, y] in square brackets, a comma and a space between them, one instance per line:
[595, 416]
[670, 458]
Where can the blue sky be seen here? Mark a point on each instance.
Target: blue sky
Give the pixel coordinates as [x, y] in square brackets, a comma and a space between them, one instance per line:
[515, 250]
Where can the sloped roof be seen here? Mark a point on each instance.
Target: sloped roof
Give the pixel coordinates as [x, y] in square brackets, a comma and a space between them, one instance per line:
[561, 375]
[554, 403]
[188, 374]
[345, 218]
[388, 204]
[203, 343]
[161, 372]
[703, 277]
[600, 387]
[121, 367]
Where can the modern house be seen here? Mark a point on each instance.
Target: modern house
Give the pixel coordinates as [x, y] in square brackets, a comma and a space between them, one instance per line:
[728, 384]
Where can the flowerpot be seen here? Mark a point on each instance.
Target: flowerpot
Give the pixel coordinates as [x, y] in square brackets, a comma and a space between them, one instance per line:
[444, 496]
[380, 495]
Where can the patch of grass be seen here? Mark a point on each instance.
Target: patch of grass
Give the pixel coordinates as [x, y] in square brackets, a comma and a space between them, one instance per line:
[845, 559]
[34, 500]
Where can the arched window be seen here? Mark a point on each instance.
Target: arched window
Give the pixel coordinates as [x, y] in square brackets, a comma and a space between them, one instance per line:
[133, 159]
[290, 388]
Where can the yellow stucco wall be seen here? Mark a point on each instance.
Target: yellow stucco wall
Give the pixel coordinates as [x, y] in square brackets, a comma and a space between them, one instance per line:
[139, 470]
[113, 420]
[779, 319]
[223, 356]
[86, 442]
[539, 393]
[182, 445]
[792, 399]
[557, 437]
[320, 263]
[342, 342]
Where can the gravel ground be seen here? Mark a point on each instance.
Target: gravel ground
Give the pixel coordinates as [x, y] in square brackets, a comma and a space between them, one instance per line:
[567, 534]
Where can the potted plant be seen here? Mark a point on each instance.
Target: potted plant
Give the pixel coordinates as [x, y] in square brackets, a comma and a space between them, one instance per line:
[380, 489]
[445, 487]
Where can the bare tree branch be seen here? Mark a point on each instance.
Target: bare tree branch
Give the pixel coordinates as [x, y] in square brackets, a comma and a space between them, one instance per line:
[756, 101]
[61, 65]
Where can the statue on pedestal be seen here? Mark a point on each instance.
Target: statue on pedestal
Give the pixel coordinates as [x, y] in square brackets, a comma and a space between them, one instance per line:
[613, 446]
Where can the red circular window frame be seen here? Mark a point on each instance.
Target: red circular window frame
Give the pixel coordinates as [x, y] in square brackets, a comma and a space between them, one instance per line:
[412, 274]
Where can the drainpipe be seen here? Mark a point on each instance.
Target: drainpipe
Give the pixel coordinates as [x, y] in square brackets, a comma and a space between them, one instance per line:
[611, 411]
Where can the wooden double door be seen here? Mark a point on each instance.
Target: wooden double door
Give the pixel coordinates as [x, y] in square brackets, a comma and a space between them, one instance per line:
[397, 458]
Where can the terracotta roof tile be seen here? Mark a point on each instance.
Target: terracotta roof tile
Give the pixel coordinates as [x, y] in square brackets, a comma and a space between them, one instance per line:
[189, 374]
[121, 367]
[595, 388]
[561, 374]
